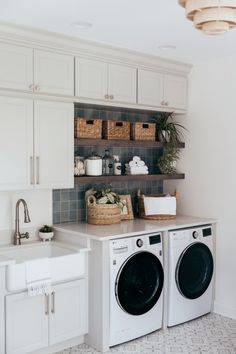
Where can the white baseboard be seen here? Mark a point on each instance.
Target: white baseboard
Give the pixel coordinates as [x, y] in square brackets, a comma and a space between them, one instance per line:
[224, 311]
[61, 346]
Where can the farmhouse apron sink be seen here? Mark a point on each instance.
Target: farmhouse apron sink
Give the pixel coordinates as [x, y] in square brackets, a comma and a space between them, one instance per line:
[66, 262]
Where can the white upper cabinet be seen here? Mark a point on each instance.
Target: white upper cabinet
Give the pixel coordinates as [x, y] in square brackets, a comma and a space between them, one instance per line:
[16, 67]
[36, 71]
[53, 73]
[175, 91]
[36, 144]
[150, 88]
[100, 80]
[16, 143]
[161, 90]
[54, 147]
[122, 83]
[90, 79]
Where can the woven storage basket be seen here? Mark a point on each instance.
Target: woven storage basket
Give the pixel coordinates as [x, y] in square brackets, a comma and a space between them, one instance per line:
[153, 217]
[90, 129]
[116, 130]
[143, 131]
[102, 214]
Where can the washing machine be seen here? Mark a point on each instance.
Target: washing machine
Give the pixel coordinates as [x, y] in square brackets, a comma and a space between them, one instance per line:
[190, 274]
[136, 286]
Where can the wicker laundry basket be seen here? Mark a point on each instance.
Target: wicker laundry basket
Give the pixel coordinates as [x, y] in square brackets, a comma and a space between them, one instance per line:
[156, 216]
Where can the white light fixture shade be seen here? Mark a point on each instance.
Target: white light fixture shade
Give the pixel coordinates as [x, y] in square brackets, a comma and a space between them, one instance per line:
[211, 16]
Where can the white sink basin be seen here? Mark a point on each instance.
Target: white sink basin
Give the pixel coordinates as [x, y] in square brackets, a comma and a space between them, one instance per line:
[66, 262]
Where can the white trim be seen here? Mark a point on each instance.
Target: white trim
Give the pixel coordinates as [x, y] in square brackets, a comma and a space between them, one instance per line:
[73, 99]
[224, 310]
[36, 38]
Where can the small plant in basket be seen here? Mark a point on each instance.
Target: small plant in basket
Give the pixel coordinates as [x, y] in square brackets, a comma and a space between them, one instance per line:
[104, 196]
[103, 207]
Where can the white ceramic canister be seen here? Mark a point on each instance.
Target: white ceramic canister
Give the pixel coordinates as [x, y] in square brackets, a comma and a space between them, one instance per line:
[93, 165]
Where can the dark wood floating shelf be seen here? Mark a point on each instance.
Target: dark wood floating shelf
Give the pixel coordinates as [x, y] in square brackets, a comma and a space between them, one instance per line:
[121, 143]
[109, 179]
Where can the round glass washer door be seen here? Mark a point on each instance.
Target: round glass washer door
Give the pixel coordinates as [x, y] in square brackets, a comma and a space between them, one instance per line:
[139, 283]
[194, 270]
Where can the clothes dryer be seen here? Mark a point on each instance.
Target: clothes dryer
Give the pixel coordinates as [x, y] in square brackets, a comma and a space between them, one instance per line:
[190, 274]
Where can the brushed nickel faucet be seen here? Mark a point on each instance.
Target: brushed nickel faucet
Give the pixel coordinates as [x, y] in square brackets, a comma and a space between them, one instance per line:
[17, 235]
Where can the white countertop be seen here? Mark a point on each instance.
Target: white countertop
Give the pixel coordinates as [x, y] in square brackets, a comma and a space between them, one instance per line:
[130, 227]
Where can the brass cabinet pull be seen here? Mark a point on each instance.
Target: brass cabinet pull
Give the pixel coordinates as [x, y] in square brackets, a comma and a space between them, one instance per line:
[53, 302]
[46, 303]
[38, 172]
[31, 170]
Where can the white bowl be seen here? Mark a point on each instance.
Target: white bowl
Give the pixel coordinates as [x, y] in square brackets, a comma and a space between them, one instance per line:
[46, 236]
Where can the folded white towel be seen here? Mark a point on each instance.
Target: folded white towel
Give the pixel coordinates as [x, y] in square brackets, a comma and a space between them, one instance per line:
[137, 170]
[132, 163]
[40, 287]
[159, 205]
[136, 158]
[141, 168]
[38, 276]
[140, 163]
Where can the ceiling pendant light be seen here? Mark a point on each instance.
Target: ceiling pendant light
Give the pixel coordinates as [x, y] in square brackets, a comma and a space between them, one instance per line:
[211, 16]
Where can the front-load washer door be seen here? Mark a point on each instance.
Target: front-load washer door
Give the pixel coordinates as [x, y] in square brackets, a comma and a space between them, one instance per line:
[139, 283]
[194, 270]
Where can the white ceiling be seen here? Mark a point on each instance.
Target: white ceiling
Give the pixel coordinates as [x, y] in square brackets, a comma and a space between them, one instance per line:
[134, 24]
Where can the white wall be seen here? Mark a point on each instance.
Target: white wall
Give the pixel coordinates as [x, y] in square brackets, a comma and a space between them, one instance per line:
[39, 205]
[209, 162]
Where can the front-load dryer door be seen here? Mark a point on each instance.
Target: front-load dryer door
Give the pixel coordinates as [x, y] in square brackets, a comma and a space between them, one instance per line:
[139, 283]
[194, 270]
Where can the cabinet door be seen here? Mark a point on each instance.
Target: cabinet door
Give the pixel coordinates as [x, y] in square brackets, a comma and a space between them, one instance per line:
[68, 317]
[16, 67]
[150, 88]
[53, 73]
[91, 79]
[175, 91]
[122, 83]
[16, 143]
[26, 323]
[54, 144]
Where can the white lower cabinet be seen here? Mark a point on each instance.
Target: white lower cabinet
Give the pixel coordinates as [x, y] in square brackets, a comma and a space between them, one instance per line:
[26, 323]
[39, 321]
[68, 317]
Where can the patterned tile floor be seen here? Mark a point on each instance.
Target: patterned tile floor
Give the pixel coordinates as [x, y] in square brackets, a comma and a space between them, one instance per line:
[210, 334]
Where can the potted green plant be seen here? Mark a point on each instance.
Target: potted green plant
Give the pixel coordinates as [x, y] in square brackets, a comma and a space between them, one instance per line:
[46, 233]
[103, 206]
[169, 131]
[167, 162]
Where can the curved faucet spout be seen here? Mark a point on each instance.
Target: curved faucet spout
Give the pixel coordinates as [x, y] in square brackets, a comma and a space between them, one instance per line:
[17, 235]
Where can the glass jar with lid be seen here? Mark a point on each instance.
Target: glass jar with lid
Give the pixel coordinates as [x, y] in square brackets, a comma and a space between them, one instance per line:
[79, 169]
[107, 164]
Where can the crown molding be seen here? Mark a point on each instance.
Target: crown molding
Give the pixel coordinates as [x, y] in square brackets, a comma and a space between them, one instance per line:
[42, 39]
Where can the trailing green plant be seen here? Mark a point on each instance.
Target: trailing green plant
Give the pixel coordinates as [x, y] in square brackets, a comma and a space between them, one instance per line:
[46, 228]
[167, 162]
[169, 131]
[104, 196]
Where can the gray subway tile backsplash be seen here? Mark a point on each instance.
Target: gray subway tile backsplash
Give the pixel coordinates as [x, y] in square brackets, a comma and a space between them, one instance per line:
[69, 205]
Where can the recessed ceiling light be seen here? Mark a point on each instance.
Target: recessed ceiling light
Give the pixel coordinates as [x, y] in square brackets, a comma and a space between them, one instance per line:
[82, 25]
[167, 47]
